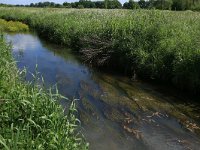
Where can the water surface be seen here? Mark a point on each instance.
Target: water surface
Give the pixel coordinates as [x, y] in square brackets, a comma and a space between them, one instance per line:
[115, 112]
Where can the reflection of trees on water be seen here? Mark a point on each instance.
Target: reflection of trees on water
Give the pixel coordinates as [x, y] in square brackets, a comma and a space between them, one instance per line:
[60, 51]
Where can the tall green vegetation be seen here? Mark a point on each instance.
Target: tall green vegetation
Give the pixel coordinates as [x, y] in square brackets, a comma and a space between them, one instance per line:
[10, 26]
[158, 45]
[30, 117]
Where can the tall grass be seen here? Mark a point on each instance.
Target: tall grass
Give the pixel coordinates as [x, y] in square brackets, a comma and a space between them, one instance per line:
[30, 117]
[11, 26]
[159, 45]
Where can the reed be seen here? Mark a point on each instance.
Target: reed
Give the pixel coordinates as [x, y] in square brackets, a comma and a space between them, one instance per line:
[13, 26]
[30, 116]
[157, 45]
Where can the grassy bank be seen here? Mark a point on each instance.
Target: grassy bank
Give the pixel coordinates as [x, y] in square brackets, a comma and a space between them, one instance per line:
[30, 117]
[12, 26]
[158, 45]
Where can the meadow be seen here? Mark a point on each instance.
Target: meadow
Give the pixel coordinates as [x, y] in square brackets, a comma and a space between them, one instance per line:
[158, 45]
[31, 117]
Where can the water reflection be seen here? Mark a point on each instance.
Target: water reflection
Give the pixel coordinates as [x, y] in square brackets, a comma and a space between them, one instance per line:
[116, 113]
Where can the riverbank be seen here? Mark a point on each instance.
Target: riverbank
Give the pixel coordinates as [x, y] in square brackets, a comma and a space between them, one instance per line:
[12, 26]
[30, 116]
[132, 112]
[156, 45]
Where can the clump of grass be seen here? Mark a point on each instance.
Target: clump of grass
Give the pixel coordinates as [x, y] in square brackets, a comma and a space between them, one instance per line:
[13, 26]
[30, 117]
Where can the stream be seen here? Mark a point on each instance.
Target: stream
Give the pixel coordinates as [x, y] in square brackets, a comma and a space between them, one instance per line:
[115, 112]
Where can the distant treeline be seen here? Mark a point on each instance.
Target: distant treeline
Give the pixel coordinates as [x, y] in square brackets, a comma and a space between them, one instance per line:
[115, 4]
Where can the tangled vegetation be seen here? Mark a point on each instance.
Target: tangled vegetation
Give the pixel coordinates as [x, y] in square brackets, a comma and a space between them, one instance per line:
[30, 117]
[159, 45]
[11, 26]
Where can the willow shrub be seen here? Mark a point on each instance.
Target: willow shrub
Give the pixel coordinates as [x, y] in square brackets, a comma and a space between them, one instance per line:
[160, 45]
[30, 117]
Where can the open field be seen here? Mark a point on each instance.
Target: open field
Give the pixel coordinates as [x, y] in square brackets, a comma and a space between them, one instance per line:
[159, 45]
[30, 117]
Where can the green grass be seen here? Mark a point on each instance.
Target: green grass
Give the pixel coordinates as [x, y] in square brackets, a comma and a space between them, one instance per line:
[30, 117]
[158, 45]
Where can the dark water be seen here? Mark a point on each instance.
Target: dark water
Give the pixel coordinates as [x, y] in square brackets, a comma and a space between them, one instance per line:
[115, 112]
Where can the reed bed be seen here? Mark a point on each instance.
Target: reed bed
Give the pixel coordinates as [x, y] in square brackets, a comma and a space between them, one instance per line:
[157, 45]
[13, 26]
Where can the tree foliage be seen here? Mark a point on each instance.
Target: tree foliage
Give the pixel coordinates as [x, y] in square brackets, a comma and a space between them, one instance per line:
[115, 4]
[131, 5]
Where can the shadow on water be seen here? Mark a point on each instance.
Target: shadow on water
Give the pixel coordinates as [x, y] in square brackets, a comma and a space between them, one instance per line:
[115, 112]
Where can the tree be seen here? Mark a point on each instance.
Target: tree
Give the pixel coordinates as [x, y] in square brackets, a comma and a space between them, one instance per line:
[87, 3]
[142, 3]
[106, 3]
[162, 4]
[32, 5]
[67, 5]
[112, 4]
[80, 7]
[52, 4]
[179, 5]
[99, 4]
[131, 5]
